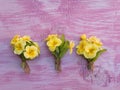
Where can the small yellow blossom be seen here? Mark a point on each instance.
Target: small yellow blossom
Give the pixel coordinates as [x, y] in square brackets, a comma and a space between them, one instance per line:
[51, 37]
[83, 37]
[53, 43]
[19, 47]
[31, 52]
[15, 39]
[26, 38]
[72, 44]
[81, 47]
[95, 40]
[90, 51]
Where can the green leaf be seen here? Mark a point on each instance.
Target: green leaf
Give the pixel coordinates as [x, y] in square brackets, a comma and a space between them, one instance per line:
[29, 43]
[98, 54]
[63, 41]
[64, 49]
[22, 57]
[55, 54]
[63, 38]
[57, 50]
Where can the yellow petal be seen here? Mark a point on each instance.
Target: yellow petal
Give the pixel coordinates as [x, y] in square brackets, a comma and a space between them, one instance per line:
[78, 52]
[83, 37]
[54, 42]
[72, 44]
[15, 39]
[19, 47]
[81, 46]
[26, 38]
[90, 51]
[95, 40]
[51, 37]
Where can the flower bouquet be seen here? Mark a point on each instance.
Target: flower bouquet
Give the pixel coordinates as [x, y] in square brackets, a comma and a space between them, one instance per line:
[26, 49]
[58, 46]
[90, 48]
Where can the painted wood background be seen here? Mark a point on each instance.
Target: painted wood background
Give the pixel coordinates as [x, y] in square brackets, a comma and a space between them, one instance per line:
[38, 18]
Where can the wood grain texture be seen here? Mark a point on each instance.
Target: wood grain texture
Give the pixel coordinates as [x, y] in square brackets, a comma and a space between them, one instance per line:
[38, 18]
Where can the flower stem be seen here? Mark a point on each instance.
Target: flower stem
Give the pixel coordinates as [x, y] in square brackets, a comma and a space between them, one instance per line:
[90, 66]
[25, 66]
[58, 64]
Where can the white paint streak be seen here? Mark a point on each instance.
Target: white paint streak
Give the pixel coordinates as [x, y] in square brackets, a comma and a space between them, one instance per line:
[98, 4]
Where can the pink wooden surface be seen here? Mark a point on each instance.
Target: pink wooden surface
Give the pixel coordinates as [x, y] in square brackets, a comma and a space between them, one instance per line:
[38, 18]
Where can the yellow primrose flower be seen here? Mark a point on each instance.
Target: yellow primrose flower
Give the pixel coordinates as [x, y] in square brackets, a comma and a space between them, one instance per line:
[81, 47]
[15, 39]
[51, 37]
[83, 37]
[95, 40]
[26, 38]
[19, 47]
[90, 51]
[38, 48]
[72, 44]
[53, 43]
[30, 52]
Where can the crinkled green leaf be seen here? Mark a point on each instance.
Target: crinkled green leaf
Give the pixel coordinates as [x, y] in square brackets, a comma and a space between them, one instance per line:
[29, 43]
[64, 49]
[22, 57]
[63, 41]
[56, 52]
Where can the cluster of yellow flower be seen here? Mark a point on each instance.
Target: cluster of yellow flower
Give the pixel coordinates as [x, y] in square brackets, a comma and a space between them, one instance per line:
[59, 46]
[25, 47]
[90, 48]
